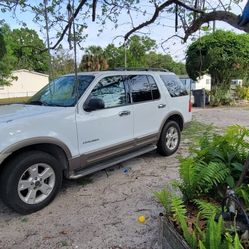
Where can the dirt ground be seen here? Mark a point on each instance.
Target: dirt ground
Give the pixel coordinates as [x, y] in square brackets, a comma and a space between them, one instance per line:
[101, 211]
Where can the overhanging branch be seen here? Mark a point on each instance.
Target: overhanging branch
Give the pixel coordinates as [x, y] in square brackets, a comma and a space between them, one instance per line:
[82, 2]
[223, 16]
[158, 9]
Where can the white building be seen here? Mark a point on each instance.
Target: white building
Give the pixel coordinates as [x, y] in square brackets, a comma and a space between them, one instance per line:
[27, 84]
[202, 82]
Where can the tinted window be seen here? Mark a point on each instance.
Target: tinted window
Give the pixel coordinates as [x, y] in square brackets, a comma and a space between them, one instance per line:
[174, 85]
[154, 88]
[140, 88]
[111, 90]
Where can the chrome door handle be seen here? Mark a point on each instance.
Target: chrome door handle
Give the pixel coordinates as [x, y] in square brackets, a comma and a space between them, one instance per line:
[124, 113]
[161, 106]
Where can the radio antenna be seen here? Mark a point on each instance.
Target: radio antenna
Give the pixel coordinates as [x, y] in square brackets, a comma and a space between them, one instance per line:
[50, 70]
[71, 14]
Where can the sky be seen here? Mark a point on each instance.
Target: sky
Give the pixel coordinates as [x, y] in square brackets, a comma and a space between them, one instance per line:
[110, 34]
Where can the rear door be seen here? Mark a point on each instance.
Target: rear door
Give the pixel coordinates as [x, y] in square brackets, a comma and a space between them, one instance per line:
[149, 107]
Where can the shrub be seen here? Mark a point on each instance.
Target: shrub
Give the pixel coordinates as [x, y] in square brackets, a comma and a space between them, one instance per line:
[220, 96]
[242, 92]
[216, 161]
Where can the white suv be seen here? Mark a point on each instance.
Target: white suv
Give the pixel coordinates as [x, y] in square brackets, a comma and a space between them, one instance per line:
[77, 125]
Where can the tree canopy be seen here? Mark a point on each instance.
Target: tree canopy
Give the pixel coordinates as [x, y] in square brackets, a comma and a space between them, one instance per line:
[19, 51]
[139, 52]
[24, 43]
[223, 55]
[63, 17]
[190, 15]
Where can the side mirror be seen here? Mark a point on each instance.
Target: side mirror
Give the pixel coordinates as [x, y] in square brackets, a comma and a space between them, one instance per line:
[94, 104]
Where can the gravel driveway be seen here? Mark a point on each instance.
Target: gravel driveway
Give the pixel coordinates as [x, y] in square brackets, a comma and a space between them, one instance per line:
[101, 211]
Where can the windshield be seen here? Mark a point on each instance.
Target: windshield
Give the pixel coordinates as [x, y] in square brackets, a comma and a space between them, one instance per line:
[62, 91]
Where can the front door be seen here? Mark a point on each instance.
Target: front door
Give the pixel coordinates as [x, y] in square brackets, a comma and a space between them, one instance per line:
[106, 132]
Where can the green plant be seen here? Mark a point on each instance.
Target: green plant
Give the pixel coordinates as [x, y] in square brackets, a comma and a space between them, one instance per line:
[179, 211]
[220, 96]
[199, 178]
[210, 236]
[164, 197]
[206, 208]
[243, 193]
[242, 92]
[216, 161]
[231, 149]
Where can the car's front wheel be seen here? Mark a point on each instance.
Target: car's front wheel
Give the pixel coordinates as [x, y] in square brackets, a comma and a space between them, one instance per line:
[170, 139]
[30, 181]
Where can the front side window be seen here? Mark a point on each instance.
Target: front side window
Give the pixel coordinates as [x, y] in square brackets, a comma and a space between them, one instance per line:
[111, 90]
[174, 85]
[140, 88]
[62, 91]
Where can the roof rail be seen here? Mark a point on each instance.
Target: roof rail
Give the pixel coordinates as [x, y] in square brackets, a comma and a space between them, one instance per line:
[139, 69]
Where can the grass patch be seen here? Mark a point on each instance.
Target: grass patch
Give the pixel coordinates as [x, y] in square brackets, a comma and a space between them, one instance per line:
[13, 100]
[195, 129]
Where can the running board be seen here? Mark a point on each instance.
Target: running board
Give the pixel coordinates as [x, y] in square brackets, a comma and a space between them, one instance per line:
[112, 162]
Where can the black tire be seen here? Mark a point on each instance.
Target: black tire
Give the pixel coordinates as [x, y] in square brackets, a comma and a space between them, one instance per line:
[15, 171]
[162, 147]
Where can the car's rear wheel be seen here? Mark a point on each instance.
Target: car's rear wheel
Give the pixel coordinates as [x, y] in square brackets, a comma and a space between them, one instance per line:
[170, 139]
[30, 181]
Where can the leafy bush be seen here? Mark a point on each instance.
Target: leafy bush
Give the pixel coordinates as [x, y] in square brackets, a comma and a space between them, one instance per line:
[220, 96]
[212, 236]
[231, 149]
[215, 162]
[242, 92]
[199, 178]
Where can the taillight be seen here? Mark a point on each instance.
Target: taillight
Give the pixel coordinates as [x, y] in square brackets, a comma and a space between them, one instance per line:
[190, 106]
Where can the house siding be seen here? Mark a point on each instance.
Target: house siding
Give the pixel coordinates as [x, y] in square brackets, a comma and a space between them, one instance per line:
[27, 84]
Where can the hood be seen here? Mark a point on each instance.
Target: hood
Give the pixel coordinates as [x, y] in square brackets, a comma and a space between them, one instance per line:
[9, 113]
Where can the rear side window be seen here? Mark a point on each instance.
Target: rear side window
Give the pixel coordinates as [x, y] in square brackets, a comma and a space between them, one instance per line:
[174, 85]
[140, 88]
[143, 88]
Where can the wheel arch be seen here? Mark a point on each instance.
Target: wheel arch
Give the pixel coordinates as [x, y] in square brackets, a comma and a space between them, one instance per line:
[173, 116]
[51, 146]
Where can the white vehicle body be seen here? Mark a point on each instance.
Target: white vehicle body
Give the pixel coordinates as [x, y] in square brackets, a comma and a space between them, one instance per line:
[91, 140]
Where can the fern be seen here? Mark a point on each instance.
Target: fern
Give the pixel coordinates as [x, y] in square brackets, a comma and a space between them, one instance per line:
[206, 209]
[212, 175]
[164, 197]
[200, 177]
[179, 214]
[201, 245]
[232, 242]
[243, 192]
[214, 233]
[187, 171]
